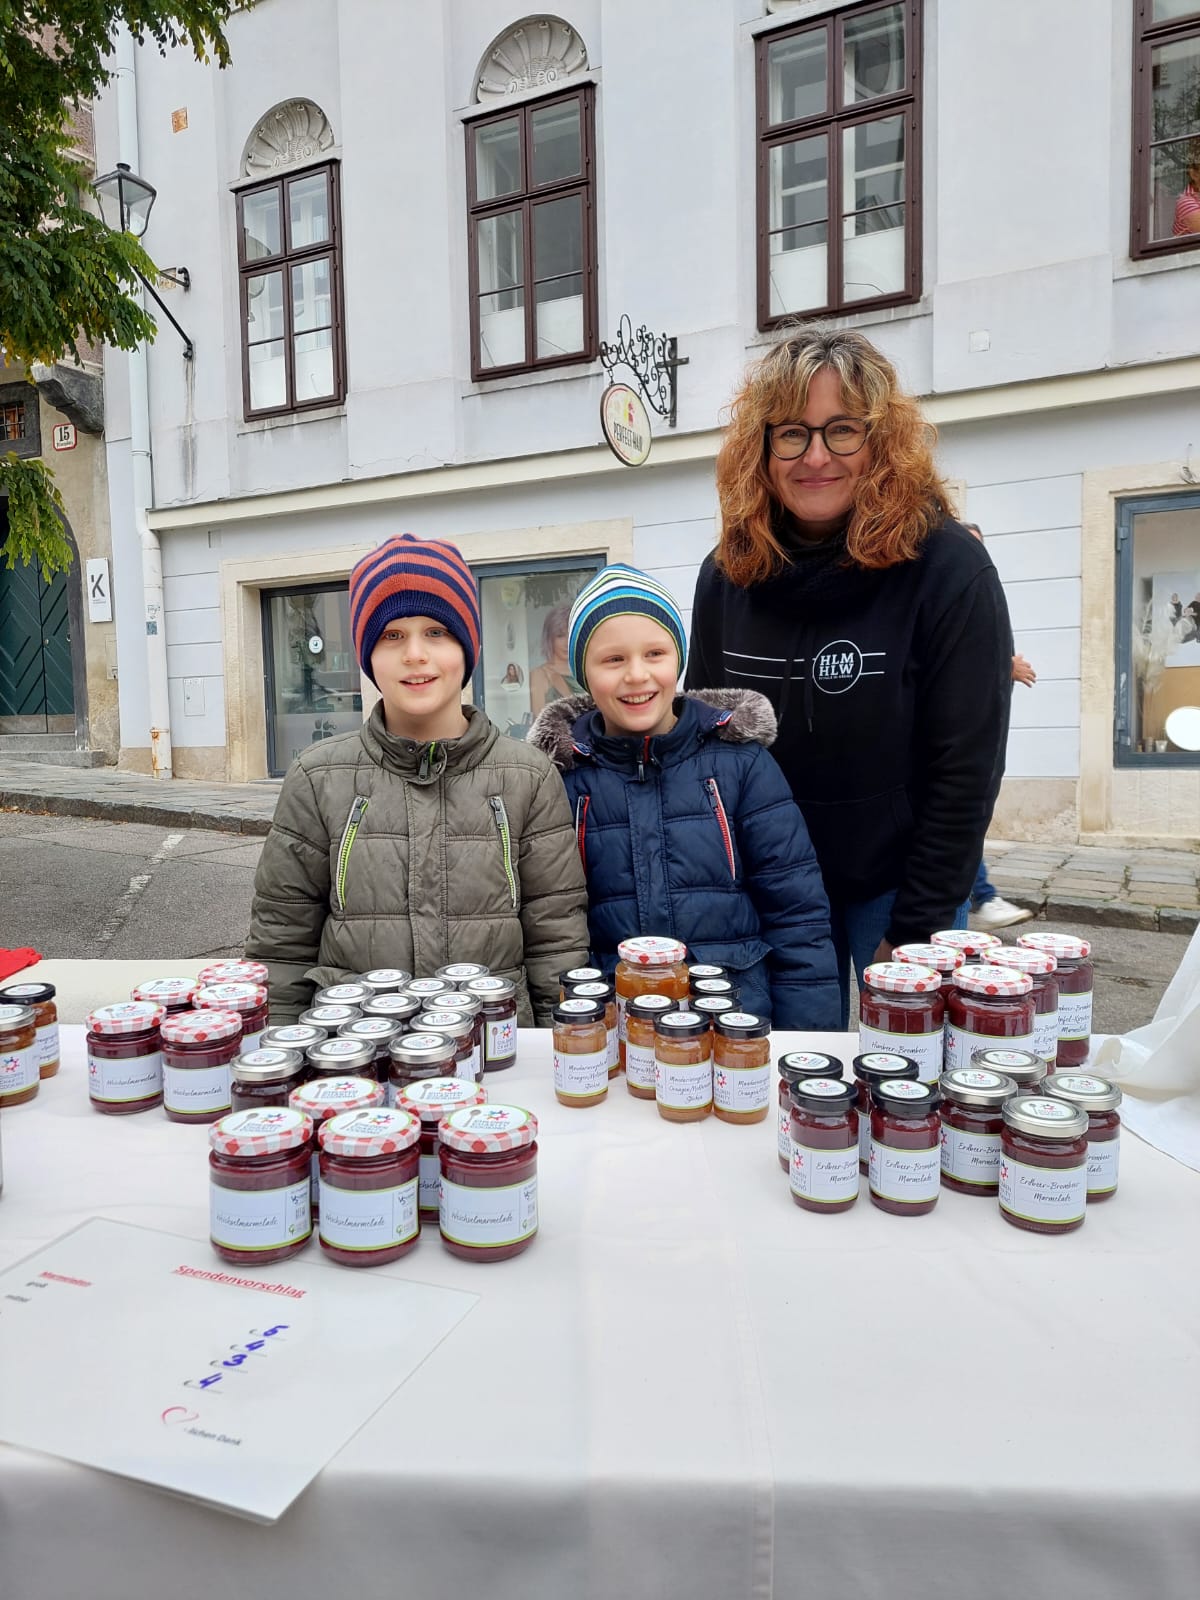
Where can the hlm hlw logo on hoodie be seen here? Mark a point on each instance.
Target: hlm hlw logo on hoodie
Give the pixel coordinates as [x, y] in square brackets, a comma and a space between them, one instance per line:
[837, 666]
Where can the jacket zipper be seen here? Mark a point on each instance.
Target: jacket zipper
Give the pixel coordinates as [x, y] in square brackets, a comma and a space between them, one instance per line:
[349, 834]
[581, 811]
[501, 816]
[714, 800]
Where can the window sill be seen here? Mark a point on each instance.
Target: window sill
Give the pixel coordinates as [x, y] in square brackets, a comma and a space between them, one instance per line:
[846, 319]
[290, 419]
[583, 370]
[1179, 261]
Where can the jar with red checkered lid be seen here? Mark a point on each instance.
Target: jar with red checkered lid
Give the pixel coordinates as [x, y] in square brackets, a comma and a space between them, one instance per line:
[197, 1049]
[431, 1100]
[175, 994]
[902, 1009]
[258, 1174]
[939, 958]
[488, 1209]
[974, 946]
[988, 1004]
[249, 1000]
[1075, 979]
[231, 972]
[124, 1051]
[368, 1163]
[322, 1098]
[1042, 968]
[649, 965]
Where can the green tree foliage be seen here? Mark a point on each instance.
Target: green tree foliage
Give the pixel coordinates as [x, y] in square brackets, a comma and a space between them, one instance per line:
[64, 276]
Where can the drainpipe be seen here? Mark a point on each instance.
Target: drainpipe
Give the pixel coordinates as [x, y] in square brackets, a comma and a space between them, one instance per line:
[142, 461]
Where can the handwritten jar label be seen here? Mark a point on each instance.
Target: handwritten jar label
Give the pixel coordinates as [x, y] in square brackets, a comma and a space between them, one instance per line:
[961, 1045]
[1103, 1159]
[259, 1219]
[970, 1157]
[136, 1079]
[684, 1088]
[742, 1088]
[193, 1091]
[1045, 1035]
[581, 1075]
[1075, 1015]
[45, 1045]
[909, 1177]
[824, 1176]
[1043, 1194]
[489, 1217]
[429, 1179]
[926, 1049]
[368, 1219]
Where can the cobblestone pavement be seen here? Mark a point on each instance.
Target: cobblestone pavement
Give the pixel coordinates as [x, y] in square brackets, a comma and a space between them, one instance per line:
[114, 796]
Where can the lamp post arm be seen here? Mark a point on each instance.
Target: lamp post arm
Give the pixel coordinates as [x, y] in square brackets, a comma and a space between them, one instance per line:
[189, 349]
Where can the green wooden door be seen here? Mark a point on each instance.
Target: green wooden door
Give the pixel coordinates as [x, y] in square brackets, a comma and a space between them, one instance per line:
[36, 689]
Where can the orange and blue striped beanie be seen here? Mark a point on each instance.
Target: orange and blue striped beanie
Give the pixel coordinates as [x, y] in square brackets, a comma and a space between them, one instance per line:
[411, 577]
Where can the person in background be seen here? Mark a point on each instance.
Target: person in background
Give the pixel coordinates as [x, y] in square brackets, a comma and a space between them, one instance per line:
[553, 680]
[1187, 207]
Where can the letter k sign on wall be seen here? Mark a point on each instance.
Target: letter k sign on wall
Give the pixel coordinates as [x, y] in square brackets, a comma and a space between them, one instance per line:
[99, 591]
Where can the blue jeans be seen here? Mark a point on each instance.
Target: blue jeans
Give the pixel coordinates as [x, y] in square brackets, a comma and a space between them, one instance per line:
[857, 927]
[983, 889]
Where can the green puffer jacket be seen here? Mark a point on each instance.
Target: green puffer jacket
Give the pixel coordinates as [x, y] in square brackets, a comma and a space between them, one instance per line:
[388, 853]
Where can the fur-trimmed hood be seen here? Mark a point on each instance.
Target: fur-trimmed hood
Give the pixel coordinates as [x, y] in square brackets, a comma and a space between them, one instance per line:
[564, 729]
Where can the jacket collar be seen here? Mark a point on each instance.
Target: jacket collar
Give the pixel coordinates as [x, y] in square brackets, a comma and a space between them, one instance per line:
[570, 731]
[425, 761]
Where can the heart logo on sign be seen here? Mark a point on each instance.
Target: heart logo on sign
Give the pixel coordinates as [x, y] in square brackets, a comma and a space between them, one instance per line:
[175, 1414]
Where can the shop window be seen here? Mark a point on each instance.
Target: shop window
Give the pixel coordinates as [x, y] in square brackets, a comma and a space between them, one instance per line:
[312, 675]
[1166, 127]
[1158, 631]
[522, 662]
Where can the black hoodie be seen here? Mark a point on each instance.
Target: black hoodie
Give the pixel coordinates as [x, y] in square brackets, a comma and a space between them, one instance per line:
[894, 744]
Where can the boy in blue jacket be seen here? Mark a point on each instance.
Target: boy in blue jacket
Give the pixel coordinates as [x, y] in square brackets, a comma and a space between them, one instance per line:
[685, 825]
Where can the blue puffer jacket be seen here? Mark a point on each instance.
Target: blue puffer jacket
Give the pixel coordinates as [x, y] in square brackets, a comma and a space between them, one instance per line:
[694, 834]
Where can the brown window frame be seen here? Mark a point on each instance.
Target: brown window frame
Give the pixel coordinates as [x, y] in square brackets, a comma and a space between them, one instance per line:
[283, 262]
[526, 199]
[1147, 36]
[831, 123]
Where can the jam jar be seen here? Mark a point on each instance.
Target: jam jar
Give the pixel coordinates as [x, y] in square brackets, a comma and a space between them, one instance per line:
[1075, 979]
[426, 988]
[19, 1078]
[398, 1008]
[471, 1006]
[124, 1053]
[869, 1070]
[902, 1011]
[985, 1005]
[414, 1056]
[710, 1007]
[1100, 1099]
[741, 1065]
[330, 1017]
[906, 1136]
[974, 946]
[351, 993]
[488, 1208]
[705, 969]
[429, 1100]
[648, 965]
[292, 1036]
[343, 1058]
[368, 1168]
[258, 1191]
[459, 973]
[265, 1077]
[322, 1098]
[459, 1030]
[640, 1016]
[1042, 969]
[605, 994]
[573, 975]
[711, 989]
[1043, 1164]
[972, 1106]
[378, 1032]
[939, 958]
[1025, 1067]
[580, 1052]
[794, 1066]
[45, 1021]
[683, 1075]
[249, 1000]
[230, 972]
[385, 980]
[173, 994]
[823, 1144]
[498, 997]
[197, 1048]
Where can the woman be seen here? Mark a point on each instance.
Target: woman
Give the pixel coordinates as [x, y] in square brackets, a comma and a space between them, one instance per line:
[552, 680]
[843, 589]
[1187, 207]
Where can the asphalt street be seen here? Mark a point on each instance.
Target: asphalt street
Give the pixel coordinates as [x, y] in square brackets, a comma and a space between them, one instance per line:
[77, 888]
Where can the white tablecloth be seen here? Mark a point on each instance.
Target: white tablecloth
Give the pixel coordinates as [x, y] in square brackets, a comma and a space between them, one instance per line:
[686, 1387]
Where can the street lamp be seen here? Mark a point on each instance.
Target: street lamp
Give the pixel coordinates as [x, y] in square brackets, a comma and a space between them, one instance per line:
[125, 204]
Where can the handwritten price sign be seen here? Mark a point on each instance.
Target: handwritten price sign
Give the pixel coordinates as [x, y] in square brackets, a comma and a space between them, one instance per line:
[241, 1354]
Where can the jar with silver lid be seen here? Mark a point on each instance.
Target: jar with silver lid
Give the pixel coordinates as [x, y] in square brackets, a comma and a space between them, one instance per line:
[385, 980]
[424, 987]
[972, 1121]
[399, 1007]
[499, 1000]
[350, 993]
[377, 1032]
[1100, 1099]
[459, 1027]
[1043, 1164]
[293, 1036]
[414, 1056]
[461, 972]
[472, 1005]
[1025, 1067]
[265, 1077]
[346, 1057]
[330, 1017]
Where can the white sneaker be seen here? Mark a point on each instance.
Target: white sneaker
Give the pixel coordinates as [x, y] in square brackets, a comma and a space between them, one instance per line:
[997, 913]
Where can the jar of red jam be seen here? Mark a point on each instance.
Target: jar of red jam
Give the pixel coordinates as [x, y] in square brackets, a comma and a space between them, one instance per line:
[1042, 969]
[823, 1144]
[343, 1057]
[794, 1066]
[581, 1054]
[330, 1018]
[573, 975]
[939, 958]
[258, 1185]
[874, 1068]
[640, 1017]
[424, 989]
[683, 1045]
[352, 992]
[906, 1136]
[174, 994]
[378, 1032]
[19, 1077]
[230, 972]
[1043, 1164]
[197, 1049]
[322, 1098]
[498, 997]
[368, 1167]
[414, 1056]
[385, 980]
[401, 1009]
[45, 1021]
[459, 973]
[293, 1036]
[648, 965]
[488, 1208]
[472, 1007]
[974, 946]
[459, 1030]
[1075, 980]
[124, 1052]
[265, 1077]
[902, 1011]
[985, 1005]
[430, 1100]
[605, 995]
[1100, 1099]
[1026, 1068]
[741, 1064]
[249, 1000]
[972, 1117]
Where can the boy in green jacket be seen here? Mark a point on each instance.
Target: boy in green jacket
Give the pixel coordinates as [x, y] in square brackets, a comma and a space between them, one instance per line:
[425, 837]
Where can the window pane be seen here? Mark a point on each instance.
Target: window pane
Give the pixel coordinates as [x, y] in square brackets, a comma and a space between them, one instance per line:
[312, 303]
[797, 269]
[873, 262]
[315, 685]
[1174, 201]
[872, 198]
[873, 165]
[308, 202]
[873, 55]
[502, 328]
[268, 381]
[498, 159]
[523, 656]
[1165, 643]
[260, 225]
[559, 317]
[12, 421]
[501, 253]
[264, 307]
[557, 148]
[796, 73]
[1168, 10]
[558, 237]
[798, 182]
[1175, 90]
[314, 364]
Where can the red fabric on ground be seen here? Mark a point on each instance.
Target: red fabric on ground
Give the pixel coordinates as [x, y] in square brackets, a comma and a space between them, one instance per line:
[16, 960]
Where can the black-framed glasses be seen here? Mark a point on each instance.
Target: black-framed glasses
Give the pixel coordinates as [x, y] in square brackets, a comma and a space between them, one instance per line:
[844, 436]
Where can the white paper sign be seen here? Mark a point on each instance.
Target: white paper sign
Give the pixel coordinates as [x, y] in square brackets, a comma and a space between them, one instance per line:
[144, 1355]
[99, 593]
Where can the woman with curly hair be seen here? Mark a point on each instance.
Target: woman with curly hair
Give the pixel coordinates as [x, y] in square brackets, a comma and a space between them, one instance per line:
[844, 590]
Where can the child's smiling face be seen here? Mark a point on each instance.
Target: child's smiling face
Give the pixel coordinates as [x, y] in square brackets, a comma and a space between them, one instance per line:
[419, 665]
[632, 667]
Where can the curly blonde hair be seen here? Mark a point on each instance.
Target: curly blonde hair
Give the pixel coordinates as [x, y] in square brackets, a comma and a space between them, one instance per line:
[899, 498]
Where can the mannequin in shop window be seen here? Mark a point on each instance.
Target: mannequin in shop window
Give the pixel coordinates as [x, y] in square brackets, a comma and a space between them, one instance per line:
[552, 680]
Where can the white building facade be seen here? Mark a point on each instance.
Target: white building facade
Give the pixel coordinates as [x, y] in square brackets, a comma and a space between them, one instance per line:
[408, 228]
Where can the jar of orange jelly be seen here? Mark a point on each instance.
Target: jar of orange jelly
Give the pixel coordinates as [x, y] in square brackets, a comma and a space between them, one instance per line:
[741, 1066]
[683, 1066]
[640, 1017]
[580, 1052]
[649, 965]
[603, 992]
[19, 1079]
[45, 1020]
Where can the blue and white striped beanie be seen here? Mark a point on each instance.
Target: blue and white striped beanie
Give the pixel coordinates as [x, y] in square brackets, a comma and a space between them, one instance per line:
[621, 591]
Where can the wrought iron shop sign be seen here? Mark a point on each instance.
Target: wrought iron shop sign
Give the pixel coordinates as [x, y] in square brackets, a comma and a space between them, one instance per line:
[626, 424]
[653, 359]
